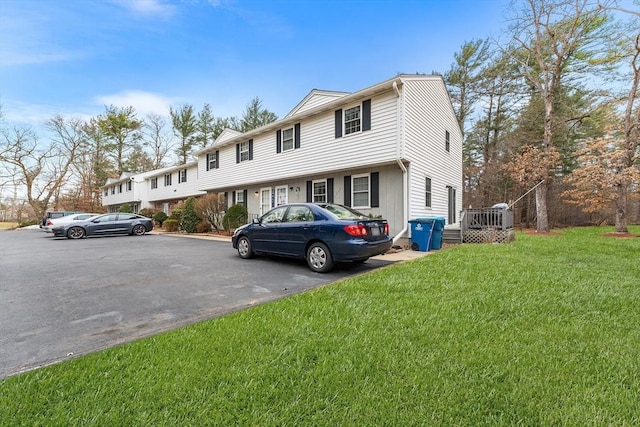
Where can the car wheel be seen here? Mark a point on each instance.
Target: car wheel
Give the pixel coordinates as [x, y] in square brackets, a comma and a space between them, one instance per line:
[319, 258]
[244, 247]
[138, 230]
[76, 233]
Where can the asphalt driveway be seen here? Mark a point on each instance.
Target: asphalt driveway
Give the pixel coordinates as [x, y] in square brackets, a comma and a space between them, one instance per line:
[63, 298]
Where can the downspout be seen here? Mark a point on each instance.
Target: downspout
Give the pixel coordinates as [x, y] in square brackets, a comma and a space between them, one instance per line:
[405, 179]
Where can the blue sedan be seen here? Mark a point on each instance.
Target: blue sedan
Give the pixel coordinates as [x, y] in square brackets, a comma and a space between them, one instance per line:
[113, 223]
[323, 234]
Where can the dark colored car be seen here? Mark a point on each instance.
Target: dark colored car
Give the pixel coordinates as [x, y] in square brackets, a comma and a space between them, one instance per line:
[320, 233]
[113, 223]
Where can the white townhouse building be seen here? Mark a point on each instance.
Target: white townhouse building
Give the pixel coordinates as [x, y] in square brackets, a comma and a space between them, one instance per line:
[160, 189]
[393, 149]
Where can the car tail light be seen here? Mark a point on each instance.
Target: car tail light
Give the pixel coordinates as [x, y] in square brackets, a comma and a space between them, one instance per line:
[357, 230]
[386, 229]
[49, 223]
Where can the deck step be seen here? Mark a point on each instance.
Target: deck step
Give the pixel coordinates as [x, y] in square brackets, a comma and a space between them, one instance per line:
[451, 235]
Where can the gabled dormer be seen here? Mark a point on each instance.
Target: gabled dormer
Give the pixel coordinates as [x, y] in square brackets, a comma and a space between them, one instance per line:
[226, 135]
[315, 98]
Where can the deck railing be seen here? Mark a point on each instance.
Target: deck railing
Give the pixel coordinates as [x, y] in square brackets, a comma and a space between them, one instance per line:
[487, 219]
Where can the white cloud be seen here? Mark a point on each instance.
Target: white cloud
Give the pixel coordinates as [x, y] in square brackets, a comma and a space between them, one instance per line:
[148, 7]
[143, 102]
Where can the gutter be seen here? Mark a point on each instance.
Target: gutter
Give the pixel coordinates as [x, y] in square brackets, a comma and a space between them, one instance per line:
[405, 178]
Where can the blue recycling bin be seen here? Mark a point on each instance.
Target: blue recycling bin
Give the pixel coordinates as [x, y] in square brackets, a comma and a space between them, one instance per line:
[420, 234]
[436, 224]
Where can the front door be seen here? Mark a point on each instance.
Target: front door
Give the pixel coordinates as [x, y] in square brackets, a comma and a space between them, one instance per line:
[265, 200]
[452, 205]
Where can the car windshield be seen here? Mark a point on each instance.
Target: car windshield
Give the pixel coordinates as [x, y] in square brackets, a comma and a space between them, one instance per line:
[343, 212]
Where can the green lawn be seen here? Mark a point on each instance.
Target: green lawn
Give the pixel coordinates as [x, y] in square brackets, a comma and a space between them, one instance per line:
[542, 331]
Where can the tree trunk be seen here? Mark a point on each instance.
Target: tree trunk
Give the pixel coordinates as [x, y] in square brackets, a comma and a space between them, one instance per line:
[542, 224]
[621, 209]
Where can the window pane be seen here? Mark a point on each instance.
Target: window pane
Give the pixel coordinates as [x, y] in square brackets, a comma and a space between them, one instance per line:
[320, 192]
[360, 187]
[361, 184]
[244, 151]
[352, 120]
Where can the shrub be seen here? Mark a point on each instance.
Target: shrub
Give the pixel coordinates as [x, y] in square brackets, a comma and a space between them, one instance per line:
[160, 217]
[171, 225]
[176, 214]
[203, 227]
[235, 217]
[211, 208]
[126, 208]
[148, 212]
[189, 219]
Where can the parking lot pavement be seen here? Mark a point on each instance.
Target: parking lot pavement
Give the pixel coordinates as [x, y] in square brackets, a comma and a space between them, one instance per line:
[62, 298]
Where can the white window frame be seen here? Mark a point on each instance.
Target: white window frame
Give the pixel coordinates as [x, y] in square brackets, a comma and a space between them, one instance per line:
[354, 192]
[288, 140]
[244, 151]
[211, 159]
[240, 197]
[428, 191]
[167, 180]
[113, 189]
[182, 176]
[279, 199]
[316, 196]
[154, 182]
[128, 187]
[354, 125]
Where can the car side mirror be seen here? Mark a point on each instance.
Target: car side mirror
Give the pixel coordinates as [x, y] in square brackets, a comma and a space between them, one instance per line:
[256, 221]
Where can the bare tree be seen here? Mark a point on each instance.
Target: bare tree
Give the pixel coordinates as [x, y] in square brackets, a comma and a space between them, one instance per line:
[42, 171]
[157, 138]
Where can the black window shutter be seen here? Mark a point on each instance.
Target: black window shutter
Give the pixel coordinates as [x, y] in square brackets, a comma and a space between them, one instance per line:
[366, 115]
[226, 199]
[330, 190]
[309, 191]
[375, 190]
[296, 136]
[251, 149]
[244, 203]
[237, 153]
[338, 123]
[347, 190]
[207, 161]
[233, 197]
[217, 159]
[278, 141]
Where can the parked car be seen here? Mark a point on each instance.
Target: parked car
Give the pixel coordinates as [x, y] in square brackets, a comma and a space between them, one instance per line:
[53, 222]
[113, 223]
[53, 215]
[323, 234]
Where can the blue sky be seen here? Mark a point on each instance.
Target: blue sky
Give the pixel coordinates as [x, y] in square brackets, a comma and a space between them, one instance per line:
[73, 57]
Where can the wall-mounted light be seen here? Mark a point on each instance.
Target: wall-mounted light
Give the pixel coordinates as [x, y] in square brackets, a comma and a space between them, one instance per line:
[256, 193]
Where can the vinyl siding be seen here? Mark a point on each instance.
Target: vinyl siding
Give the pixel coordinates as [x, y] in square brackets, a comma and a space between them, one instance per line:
[320, 151]
[177, 190]
[390, 192]
[428, 114]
